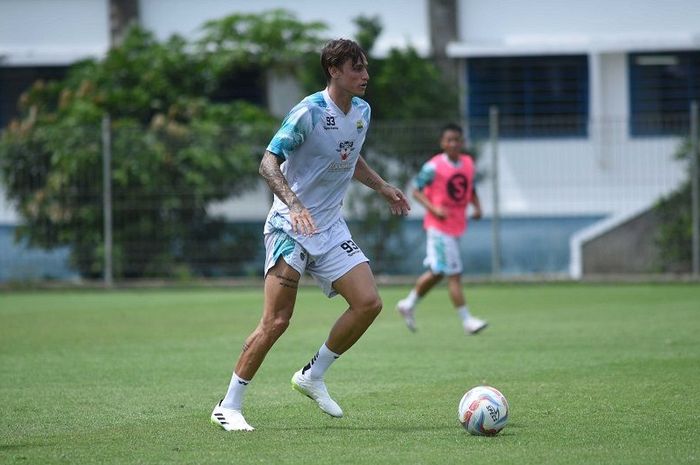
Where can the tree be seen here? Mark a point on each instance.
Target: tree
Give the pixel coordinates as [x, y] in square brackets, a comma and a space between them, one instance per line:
[177, 147]
[369, 28]
[674, 212]
[411, 100]
[122, 15]
[175, 150]
[271, 40]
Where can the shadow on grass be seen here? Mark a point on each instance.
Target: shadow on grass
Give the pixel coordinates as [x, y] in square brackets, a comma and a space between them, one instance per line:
[506, 432]
[24, 445]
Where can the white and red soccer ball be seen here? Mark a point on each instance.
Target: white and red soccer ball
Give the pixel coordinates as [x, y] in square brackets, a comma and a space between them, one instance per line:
[483, 411]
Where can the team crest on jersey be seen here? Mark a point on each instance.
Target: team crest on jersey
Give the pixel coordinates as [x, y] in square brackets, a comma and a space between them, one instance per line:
[360, 126]
[345, 148]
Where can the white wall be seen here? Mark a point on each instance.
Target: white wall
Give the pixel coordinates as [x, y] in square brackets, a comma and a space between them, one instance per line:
[52, 32]
[405, 21]
[566, 177]
[58, 32]
[251, 206]
[608, 172]
[517, 20]
[614, 86]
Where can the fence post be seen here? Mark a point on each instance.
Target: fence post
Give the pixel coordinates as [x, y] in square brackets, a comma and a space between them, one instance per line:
[496, 219]
[695, 187]
[107, 198]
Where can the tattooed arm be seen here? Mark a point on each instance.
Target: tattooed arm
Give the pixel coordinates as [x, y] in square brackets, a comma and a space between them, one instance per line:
[394, 197]
[299, 216]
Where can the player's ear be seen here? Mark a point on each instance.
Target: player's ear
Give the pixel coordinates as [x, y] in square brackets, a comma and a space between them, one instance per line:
[334, 71]
[337, 69]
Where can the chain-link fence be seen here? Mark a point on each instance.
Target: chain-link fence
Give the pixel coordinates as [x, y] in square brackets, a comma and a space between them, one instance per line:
[190, 204]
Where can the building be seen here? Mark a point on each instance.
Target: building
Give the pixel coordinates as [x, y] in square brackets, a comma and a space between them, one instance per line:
[592, 107]
[593, 99]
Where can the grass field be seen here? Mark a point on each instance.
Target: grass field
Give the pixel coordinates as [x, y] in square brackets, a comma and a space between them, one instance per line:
[595, 374]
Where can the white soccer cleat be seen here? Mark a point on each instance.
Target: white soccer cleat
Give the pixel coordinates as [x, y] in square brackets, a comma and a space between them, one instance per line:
[229, 419]
[408, 314]
[474, 325]
[316, 389]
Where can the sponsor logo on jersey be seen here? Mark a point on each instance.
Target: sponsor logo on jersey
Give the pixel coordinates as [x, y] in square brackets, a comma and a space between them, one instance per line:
[458, 187]
[360, 126]
[345, 148]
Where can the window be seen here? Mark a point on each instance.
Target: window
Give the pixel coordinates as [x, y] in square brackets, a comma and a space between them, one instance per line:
[662, 85]
[16, 80]
[245, 85]
[544, 96]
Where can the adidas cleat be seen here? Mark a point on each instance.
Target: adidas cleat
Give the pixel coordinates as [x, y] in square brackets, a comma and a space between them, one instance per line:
[315, 389]
[229, 419]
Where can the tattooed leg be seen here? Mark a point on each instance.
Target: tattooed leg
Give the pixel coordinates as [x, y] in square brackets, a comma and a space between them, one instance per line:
[287, 282]
[281, 287]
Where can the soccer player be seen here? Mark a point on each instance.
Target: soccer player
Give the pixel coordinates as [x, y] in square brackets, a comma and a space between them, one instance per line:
[445, 187]
[308, 165]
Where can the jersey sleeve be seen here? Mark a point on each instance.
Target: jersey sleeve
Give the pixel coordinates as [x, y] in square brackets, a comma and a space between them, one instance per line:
[425, 176]
[296, 126]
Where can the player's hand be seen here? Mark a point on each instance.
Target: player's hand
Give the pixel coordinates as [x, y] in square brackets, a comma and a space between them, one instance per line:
[439, 212]
[476, 215]
[302, 222]
[398, 204]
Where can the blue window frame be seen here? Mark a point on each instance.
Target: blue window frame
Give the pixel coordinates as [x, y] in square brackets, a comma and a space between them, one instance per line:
[662, 85]
[542, 96]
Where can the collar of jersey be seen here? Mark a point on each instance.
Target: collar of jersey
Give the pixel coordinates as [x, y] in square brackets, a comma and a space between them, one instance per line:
[453, 163]
[336, 108]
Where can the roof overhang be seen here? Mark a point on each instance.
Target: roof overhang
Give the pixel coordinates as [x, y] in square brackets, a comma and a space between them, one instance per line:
[546, 44]
[47, 56]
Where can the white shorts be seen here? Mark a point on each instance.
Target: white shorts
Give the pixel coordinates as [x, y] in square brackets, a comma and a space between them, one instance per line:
[325, 268]
[442, 253]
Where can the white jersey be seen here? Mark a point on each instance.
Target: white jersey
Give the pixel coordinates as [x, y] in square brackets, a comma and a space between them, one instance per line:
[320, 146]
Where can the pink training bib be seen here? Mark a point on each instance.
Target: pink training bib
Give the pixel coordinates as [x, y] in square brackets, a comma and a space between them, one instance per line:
[452, 190]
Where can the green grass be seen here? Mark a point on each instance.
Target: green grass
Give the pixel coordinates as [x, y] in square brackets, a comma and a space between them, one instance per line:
[595, 374]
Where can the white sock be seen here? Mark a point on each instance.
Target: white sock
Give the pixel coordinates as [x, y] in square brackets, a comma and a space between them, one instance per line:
[318, 365]
[235, 393]
[463, 313]
[412, 298]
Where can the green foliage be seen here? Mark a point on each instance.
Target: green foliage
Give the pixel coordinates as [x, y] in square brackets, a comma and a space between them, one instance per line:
[407, 87]
[272, 39]
[675, 231]
[674, 238]
[369, 29]
[403, 87]
[143, 77]
[174, 150]
[410, 102]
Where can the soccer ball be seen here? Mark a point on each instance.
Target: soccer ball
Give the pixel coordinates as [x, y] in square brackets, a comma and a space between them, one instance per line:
[483, 411]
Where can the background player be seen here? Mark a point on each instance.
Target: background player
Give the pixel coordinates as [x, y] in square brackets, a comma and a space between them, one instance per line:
[445, 187]
[308, 165]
